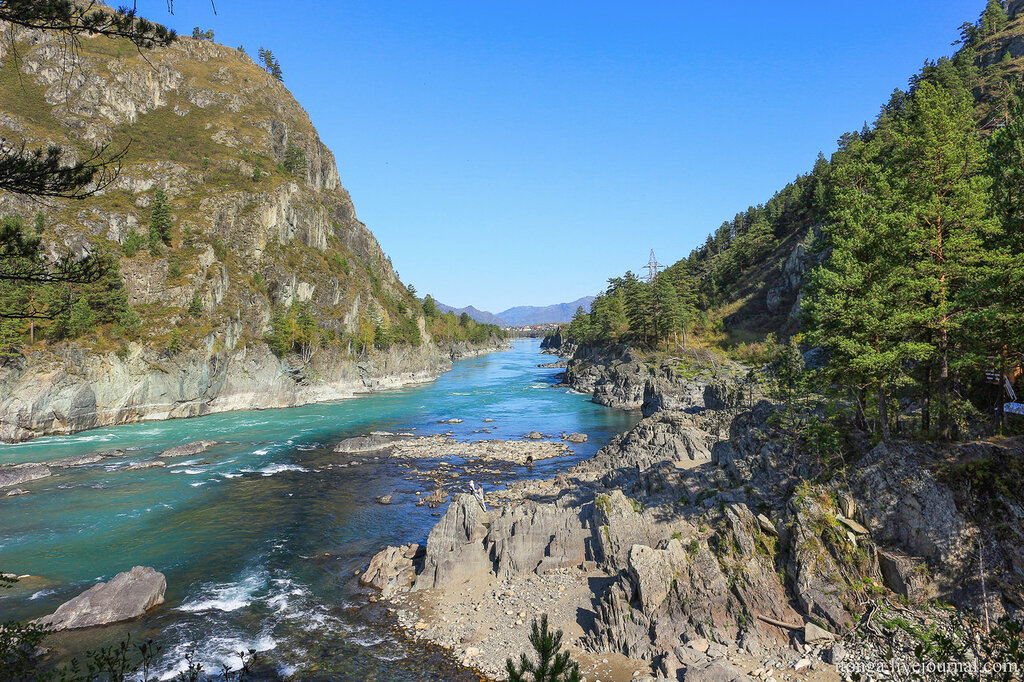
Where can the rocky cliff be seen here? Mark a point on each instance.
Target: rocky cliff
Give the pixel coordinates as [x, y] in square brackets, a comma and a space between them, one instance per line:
[261, 222]
[623, 377]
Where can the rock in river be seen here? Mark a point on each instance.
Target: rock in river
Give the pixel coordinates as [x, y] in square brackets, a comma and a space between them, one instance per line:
[188, 449]
[372, 443]
[126, 596]
[15, 474]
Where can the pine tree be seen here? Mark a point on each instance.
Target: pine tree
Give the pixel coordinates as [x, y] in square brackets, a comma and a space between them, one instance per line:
[430, 310]
[994, 319]
[551, 666]
[668, 311]
[81, 319]
[937, 163]
[858, 302]
[270, 63]
[580, 328]
[638, 306]
[993, 19]
[160, 221]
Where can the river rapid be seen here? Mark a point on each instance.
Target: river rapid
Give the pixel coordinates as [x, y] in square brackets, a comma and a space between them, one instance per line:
[260, 536]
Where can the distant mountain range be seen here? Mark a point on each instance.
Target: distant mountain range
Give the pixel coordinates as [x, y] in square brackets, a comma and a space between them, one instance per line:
[523, 315]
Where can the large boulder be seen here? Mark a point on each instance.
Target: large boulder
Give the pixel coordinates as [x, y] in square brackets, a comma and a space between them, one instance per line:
[126, 596]
[361, 444]
[393, 569]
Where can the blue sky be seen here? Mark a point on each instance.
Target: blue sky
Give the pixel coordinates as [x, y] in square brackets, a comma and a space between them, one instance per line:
[520, 153]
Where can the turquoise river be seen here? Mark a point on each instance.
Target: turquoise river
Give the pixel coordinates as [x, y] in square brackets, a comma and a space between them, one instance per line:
[261, 535]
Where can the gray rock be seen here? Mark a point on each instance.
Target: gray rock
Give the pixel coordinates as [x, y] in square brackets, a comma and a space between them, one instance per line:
[847, 505]
[15, 492]
[534, 537]
[836, 654]
[813, 633]
[126, 596]
[766, 525]
[905, 506]
[534, 435]
[575, 437]
[906, 575]
[716, 671]
[81, 460]
[16, 474]
[455, 549]
[362, 444]
[698, 644]
[188, 449]
[384, 499]
[393, 569]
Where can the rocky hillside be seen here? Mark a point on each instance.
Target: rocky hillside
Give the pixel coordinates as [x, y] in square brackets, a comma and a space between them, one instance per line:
[260, 224]
[709, 543]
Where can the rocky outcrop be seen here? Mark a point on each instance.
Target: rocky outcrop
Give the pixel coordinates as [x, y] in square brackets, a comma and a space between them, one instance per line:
[711, 531]
[393, 569]
[552, 342]
[679, 437]
[614, 375]
[455, 549]
[471, 545]
[621, 377]
[126, 596]
[902, 502]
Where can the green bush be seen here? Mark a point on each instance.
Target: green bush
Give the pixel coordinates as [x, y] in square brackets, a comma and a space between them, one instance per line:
[133, 243]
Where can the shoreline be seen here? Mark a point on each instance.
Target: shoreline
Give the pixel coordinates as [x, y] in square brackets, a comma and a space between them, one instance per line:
[348, 386]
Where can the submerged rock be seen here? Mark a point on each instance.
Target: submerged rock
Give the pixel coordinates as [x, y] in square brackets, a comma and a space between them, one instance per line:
[81, 460]
[534, 435]
[188, 449]
[16, 474]
[126, 596]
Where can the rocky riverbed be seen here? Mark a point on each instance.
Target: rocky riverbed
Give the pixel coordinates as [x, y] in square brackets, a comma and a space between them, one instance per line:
[702, 545]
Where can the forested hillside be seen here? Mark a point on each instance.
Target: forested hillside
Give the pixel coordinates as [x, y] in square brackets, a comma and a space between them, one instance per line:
[902, 256]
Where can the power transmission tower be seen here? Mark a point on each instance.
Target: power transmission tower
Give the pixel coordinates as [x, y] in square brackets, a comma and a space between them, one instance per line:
[652, 268]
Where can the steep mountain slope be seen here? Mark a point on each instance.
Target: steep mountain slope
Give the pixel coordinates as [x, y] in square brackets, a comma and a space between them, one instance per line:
[261, 226]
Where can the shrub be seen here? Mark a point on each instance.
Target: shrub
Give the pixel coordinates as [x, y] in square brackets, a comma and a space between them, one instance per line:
[133, 243]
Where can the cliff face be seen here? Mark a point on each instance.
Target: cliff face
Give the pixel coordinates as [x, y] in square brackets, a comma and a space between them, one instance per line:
[261, 222]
